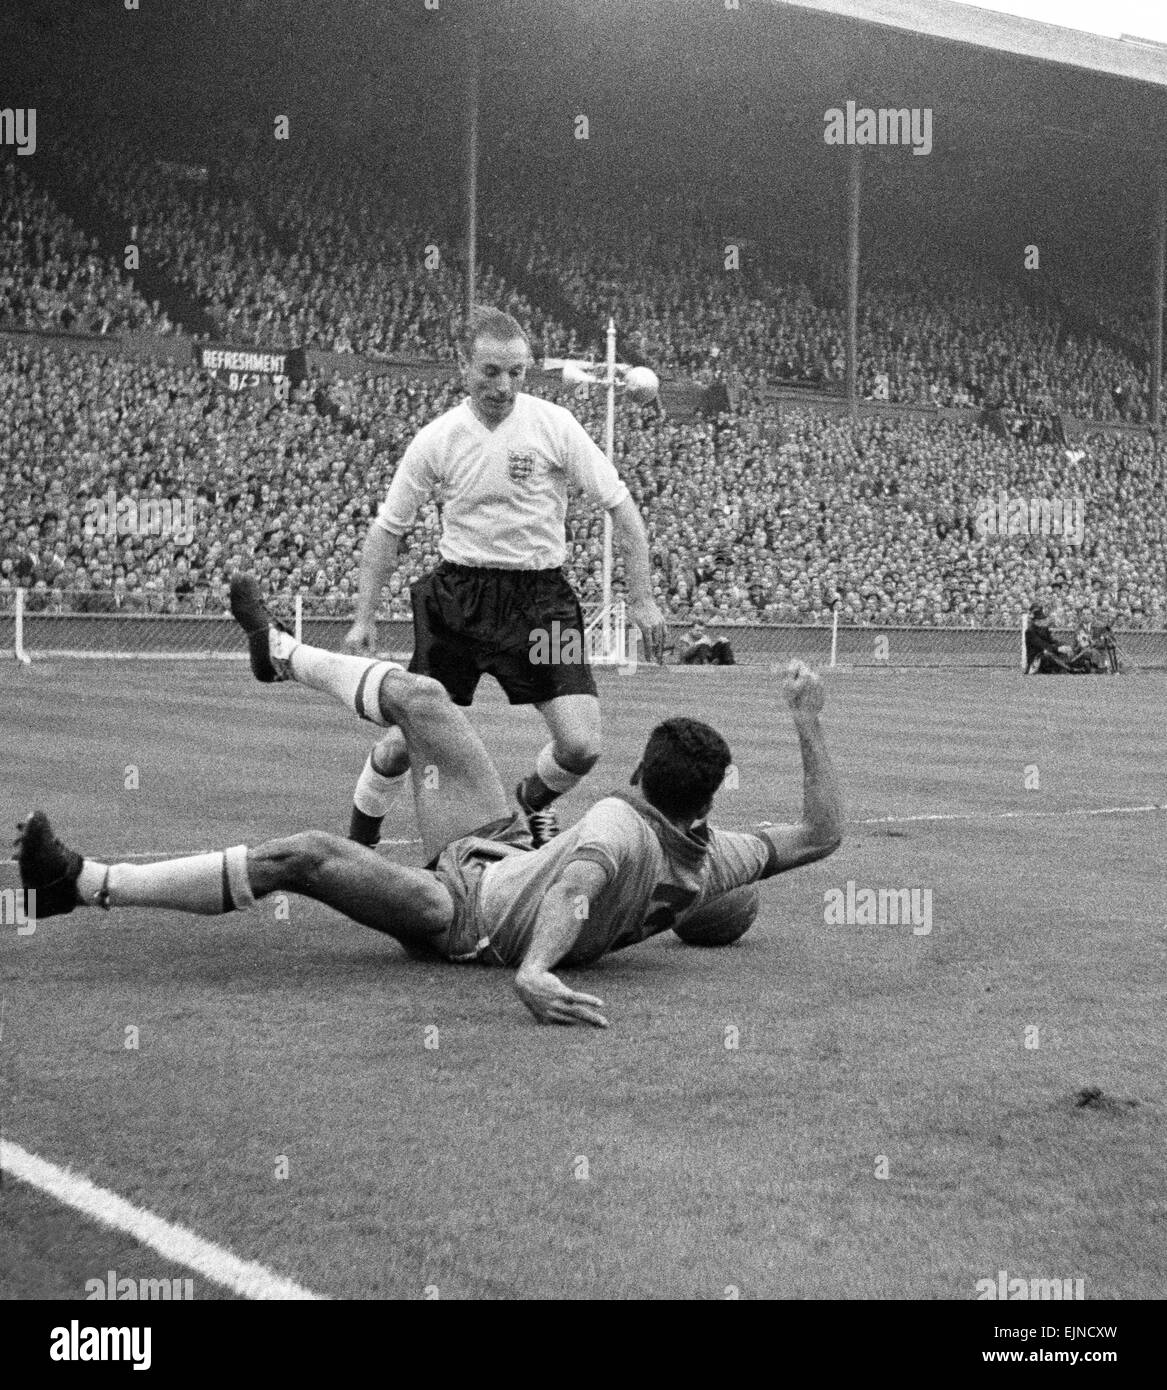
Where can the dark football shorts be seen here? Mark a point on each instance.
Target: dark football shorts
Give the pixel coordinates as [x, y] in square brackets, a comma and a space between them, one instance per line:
[460, 867]
[523, 627]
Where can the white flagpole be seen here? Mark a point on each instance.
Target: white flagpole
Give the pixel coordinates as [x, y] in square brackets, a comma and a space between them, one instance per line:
[18, 640]
[610, 450]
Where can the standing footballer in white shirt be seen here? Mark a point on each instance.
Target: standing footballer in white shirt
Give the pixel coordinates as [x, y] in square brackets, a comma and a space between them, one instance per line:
[502, 463]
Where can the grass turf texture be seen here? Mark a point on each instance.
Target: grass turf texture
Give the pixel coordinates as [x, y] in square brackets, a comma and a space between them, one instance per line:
[707, 1167]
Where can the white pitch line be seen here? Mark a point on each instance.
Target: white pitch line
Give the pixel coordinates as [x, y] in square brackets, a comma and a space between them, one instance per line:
[870, 820]
[1015, 815]
[172, 1242]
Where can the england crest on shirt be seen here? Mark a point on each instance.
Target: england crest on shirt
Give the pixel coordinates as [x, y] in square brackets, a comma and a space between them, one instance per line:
[521, 465]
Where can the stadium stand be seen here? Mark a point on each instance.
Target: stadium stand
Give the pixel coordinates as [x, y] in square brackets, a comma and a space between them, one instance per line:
[756, 516]
[880, 513]
[310, 254]
[52, 275]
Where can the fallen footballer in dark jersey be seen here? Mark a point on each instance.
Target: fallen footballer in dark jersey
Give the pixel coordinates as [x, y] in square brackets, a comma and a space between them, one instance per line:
[634, 865]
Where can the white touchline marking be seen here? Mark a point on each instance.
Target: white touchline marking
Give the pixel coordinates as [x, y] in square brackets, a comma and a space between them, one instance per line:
[1003, 815]
[870, 820]
[174, 1243]
[1021, 815]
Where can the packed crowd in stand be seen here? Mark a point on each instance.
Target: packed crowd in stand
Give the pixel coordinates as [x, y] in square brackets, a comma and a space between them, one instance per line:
[751, 518]
[311, 253]
[281, 251]
[932, 330]
[52, 276]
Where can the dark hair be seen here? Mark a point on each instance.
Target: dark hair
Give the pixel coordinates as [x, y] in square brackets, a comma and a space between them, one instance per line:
[485, 322]
[684, 763]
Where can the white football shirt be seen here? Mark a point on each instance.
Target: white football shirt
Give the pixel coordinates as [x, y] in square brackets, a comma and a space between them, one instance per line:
[502, 491]
[655, 874]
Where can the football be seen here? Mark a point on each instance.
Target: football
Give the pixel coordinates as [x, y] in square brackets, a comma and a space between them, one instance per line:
[641, 385]
[722, 921]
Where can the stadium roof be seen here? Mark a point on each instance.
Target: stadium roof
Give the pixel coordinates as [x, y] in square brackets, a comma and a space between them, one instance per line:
[672, 81]
[1141, 60]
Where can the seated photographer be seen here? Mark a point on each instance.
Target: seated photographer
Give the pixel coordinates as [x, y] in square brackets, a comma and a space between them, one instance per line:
[1044, 654]
[699, 648]
[1094, 651]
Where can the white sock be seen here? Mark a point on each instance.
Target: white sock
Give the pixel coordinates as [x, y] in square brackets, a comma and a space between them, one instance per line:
[208, 884]
[374, 791]
[354, 680]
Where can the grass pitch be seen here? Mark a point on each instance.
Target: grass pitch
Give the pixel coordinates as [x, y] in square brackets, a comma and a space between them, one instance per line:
[724, 1136]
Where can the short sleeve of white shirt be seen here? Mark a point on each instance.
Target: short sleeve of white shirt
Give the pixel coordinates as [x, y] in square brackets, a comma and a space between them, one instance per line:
[587, 465]
[412, 484]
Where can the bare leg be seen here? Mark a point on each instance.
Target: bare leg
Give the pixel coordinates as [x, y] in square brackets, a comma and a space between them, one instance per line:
[574, 724]
[411, 905]
[456, 787]
[390, 756]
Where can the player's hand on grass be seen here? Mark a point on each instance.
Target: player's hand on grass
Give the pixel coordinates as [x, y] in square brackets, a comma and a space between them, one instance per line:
[647, 616]
[362, 636]
[803, 691]
[550, 1000]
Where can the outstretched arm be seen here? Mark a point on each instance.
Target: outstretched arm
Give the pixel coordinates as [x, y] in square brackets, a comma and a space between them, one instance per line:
[562, 916]
[820, 832]
[631, 540]
[378, 561]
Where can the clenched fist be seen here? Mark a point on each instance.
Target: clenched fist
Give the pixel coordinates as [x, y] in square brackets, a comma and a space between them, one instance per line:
[803, 691]
[362, 636]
